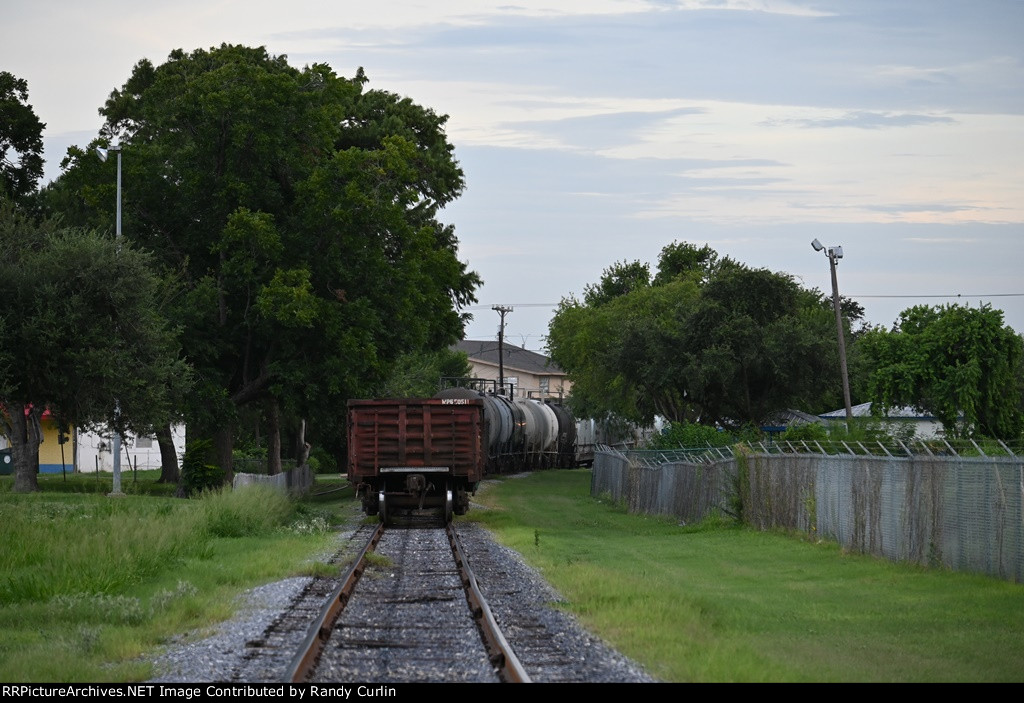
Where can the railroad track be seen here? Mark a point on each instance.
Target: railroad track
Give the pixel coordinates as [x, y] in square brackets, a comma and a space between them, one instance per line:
[417, 616]
[548, 642]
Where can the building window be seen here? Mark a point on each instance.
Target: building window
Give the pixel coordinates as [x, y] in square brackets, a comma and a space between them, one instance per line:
[544, 385]
[144, 442]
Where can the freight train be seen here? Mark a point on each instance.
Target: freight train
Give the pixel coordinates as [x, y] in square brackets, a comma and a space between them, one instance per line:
[523, 433]
[431, 453]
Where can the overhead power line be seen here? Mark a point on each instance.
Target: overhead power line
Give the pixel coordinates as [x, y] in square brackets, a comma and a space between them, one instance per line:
[951, 295]
[512, 305]
[852, 295]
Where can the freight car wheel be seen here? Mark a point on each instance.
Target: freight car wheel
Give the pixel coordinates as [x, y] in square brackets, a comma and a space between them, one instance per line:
[370, 503]
[461, 502]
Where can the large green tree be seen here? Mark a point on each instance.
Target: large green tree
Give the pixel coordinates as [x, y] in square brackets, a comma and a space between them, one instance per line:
[301, 210]
[21, 140]
[706, 340]
[418, 374]
[961, 364]
[82, 333]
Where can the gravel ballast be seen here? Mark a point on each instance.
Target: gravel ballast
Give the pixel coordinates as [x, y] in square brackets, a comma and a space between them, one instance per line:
[550, 643]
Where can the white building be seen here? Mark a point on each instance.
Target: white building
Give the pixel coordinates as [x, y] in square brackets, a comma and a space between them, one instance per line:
[93, 451]
[924, 426]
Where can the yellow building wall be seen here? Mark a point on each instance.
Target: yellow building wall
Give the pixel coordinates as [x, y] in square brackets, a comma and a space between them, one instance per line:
[49, 450]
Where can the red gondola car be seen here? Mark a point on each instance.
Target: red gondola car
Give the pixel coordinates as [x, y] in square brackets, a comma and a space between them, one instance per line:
[415, 453]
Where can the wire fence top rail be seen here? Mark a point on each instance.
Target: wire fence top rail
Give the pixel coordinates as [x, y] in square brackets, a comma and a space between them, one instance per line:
[966, 448]
[657, 457]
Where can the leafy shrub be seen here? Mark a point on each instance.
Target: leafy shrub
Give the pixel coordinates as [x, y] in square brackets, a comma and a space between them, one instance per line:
[806, 432]
[314, 525]
[322, 461]
[740, 486]
[197, 474]
[872, 429]
[688, 435]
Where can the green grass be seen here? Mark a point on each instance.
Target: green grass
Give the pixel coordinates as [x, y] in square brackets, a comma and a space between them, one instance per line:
[132, 483]
[716, 603]
[91, 584]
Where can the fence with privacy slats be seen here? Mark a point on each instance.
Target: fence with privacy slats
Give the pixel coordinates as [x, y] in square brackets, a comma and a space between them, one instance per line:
[936, 508]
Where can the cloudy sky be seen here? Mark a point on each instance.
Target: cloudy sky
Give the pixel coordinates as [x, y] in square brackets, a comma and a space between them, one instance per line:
[596, 131]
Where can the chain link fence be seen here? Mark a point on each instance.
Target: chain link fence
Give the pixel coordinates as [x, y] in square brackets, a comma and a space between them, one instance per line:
[938, 508]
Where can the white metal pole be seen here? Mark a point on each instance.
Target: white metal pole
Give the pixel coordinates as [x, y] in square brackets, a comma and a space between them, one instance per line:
[116, 444]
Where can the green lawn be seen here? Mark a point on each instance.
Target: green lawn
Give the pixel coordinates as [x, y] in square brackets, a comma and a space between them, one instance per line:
[718, 603]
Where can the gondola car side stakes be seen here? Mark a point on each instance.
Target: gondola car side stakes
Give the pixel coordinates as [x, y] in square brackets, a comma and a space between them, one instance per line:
[415, 454]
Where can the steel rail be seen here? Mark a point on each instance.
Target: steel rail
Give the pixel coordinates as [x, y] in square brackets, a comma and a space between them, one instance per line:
[320, 631]
[510, 669]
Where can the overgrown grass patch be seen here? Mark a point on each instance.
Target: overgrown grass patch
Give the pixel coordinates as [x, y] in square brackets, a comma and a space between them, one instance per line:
[89, 585]
[250, 512]
[715, 602]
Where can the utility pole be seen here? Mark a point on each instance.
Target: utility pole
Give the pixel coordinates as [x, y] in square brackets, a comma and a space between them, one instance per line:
[116, 439]
[834, 254]
[502, 310]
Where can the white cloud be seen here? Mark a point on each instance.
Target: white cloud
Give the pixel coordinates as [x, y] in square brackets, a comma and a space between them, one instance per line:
[780, 7]
[601, 129]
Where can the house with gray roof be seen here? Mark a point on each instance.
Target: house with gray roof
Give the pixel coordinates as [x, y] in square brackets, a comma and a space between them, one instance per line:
[530, 373]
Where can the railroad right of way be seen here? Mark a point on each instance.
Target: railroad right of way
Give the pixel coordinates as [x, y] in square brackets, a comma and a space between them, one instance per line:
[552, 646]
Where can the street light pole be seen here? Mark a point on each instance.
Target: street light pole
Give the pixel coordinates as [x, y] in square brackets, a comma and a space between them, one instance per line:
[834, 254]
[116, 440]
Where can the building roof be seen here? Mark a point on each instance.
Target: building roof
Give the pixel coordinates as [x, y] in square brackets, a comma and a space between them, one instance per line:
[514, 358]
[864, 410]
[792, 417]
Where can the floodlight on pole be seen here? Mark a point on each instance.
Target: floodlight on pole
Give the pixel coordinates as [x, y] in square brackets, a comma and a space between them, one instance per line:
[116, 440]
[103, 154]
[834, 254]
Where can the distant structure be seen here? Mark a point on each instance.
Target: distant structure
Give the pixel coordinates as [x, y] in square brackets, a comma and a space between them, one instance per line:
[93, 450]
[924, 426]
[80, 450]
[530, 374]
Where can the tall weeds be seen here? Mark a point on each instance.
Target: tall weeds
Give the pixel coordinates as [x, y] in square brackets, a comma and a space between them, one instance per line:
[65, 545]
[247, 512]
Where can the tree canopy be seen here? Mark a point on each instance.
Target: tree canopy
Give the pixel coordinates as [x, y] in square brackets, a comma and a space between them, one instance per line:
[21, 140]
[707, 339]
[301, 211]
[82, 332]
[960, 364]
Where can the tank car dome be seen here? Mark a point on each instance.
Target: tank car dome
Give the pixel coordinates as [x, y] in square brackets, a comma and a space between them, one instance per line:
[458, 393]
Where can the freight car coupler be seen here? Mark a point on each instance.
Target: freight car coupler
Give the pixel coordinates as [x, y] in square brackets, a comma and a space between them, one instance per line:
[416, 483]
[413, 486]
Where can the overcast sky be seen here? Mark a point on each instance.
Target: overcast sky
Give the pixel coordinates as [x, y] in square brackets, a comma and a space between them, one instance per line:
[597, 131]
